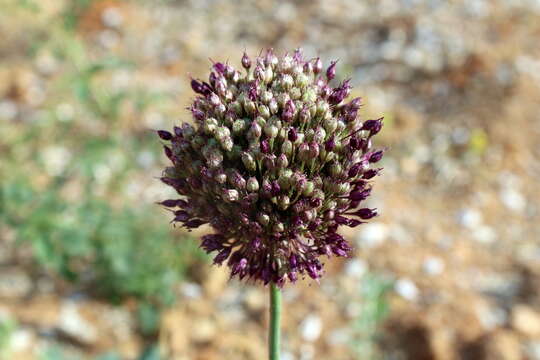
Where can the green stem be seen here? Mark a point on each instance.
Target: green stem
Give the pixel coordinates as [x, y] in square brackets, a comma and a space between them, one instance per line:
[275, 315]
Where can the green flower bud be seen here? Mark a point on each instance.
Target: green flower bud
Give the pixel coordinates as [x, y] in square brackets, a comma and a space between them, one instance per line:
[320, 135]
[322, 108]
[343, 188]
[250, 107]
[210, 125]
[266, 96]
[282, 161]
[302, 80]
[279, 227]
[305, 115]
[330, 125]
[335, 170]
[308, 188]
[309, 95]
[295, 93]
[264, 111]
[230, 195]
[239, 126]
[283, 202]
[254, 131]
[268, 75]
[263, 219]
[237, 107]
[252, 184]
[286, 82]
[220, 177]
[286, 148]
[303, 152]
[273, 106]
[249, 162]
[270, 130]
[285, 179]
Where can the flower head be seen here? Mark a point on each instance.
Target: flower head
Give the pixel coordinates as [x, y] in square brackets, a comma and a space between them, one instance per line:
[275, 162]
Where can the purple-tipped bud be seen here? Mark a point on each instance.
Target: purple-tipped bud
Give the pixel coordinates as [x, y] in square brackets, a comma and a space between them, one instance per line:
[288, 111]
[220, 68]
[359, 195]
[371, 173]
[276, 189]
[198, 87]
[373, 126]
[330, 144]
[376, 156]
[331, 71]
[365, 213]
[164, 135]
[293, 134]
[246, 61]
[222, 256]
[317, 66]
[265, 146]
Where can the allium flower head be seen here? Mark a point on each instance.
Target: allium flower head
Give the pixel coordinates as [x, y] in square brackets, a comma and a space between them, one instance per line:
[276, 161]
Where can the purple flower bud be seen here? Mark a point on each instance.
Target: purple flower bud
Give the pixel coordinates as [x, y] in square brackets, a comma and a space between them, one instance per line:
[317, 66]
[293, 134]
[164, 135]
[212, 242]
[313, 150]
[354, 223]
[369, 174]
[288, 111]
[246, 61]
[197, 86]
[276, 189]
[341, 220]
[168, 152]
[197, 114]
[222, 256]
[373, 126]
[331, 71]
[265, 146]
[359, 195]
[220, 68]
[194, 223]
[355, 169]
[376, 156]
[181, 216]
[365, 213]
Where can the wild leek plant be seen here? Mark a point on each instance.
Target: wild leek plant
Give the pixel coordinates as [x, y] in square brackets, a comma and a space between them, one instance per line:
[275, 162]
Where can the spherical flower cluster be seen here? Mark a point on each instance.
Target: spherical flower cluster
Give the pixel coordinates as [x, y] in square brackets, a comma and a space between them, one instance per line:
[275, 162]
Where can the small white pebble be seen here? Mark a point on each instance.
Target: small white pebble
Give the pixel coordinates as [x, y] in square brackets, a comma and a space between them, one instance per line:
[484, 234]
[433, 265]
[191, 290]
[407, 289]
[513, 199]
[311, 328]
[470, 218]
[372, 234]
[356, 268]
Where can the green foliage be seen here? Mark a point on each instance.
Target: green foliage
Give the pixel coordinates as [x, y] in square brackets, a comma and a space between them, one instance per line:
[374, 309]
[120, 253]
[7, 326]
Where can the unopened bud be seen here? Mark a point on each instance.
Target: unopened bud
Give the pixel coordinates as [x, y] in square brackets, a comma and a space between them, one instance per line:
[252, 184]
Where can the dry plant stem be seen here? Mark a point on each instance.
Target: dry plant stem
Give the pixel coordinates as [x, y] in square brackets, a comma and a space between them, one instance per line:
[275, 322]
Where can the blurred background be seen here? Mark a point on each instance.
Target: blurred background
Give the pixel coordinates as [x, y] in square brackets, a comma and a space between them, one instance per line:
[90, 267]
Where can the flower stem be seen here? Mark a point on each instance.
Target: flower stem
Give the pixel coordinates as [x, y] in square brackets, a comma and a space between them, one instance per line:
[275, 319]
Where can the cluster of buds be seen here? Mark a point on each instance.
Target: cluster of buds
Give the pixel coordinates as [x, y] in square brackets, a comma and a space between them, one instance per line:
[275, 162]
